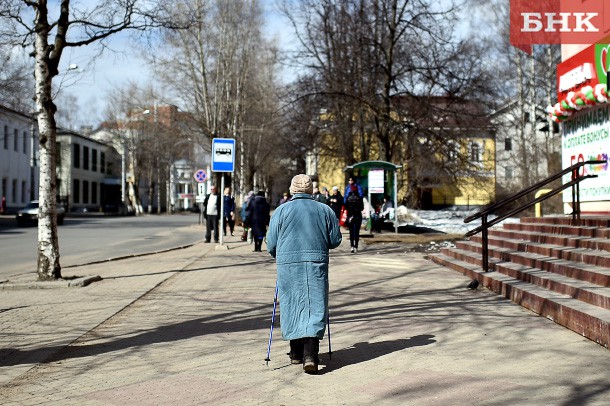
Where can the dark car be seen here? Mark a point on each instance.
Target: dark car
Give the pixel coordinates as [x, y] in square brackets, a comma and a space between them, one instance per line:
[29, 214]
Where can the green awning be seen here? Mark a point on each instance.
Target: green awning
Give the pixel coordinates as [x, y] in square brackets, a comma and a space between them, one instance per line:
[373, 165]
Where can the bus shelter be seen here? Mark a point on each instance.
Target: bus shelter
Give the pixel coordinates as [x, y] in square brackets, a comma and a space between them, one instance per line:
[377, 179]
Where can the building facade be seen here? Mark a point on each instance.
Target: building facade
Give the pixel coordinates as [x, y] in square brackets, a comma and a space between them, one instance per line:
[87, 172]
[18, 159]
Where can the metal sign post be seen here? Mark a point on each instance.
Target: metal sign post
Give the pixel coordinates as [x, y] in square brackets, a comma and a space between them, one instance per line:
[200, 176]
[223, 160]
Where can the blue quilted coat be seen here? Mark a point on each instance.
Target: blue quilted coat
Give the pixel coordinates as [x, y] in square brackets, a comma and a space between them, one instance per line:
[301, 233]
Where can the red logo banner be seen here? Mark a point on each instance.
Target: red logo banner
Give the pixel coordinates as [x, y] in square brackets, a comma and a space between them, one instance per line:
[558, 22]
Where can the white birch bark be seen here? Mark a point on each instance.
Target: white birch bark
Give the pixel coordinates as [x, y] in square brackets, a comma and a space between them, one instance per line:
[48, 266]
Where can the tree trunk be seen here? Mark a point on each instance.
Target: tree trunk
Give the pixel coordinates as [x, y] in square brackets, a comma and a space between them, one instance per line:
[48, 244]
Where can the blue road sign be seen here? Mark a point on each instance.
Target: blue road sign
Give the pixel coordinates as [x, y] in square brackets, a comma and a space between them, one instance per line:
[200, 175]
[223, 155]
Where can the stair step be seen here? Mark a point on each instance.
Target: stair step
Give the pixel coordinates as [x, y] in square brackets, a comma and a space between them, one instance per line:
[574, 288]
[575, 269]
[593, 257]
[601, 244]
[585, 221]
[588, 320]
[561, 229]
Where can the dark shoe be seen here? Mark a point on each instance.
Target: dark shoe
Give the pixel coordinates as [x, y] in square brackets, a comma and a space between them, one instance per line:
[216, 241]
[296, 351]
[207, 241]
[295, 359]
[310, 366]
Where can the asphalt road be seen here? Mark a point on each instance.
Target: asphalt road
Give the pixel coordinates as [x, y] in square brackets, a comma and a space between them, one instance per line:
[91, 239]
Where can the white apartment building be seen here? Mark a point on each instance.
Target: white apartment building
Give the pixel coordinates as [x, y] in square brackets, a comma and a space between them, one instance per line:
[18, 159]
[538, 146]
[87, 172]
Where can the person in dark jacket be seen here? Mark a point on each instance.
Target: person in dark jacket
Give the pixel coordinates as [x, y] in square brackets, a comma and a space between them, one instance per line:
[335, 202]
[228, 209]
[211, 211]
[301, 234]
[352, 182]
[259, 219]
[354, 206]
[245, 217]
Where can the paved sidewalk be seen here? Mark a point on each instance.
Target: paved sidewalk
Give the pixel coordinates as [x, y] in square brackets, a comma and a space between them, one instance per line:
[190, 327]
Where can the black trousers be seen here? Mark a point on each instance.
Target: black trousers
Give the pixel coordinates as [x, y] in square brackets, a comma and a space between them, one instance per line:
[305, 347]
[211, 223]
[230, 222]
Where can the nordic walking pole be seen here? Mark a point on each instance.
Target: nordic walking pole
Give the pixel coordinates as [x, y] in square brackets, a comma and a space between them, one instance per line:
[272, 321]
[330, 352]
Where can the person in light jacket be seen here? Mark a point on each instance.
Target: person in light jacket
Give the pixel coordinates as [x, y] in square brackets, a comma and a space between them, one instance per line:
[301, 233]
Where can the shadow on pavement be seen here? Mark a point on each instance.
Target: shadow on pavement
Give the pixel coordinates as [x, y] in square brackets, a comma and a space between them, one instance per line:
[362, 352]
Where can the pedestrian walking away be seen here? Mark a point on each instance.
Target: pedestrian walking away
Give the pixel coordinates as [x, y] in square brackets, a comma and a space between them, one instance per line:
[211, 211]
[259, 219]
[245, 216]
[301, 234]
[354, 206]
[228, 211]
[335, 201]
[352, 182]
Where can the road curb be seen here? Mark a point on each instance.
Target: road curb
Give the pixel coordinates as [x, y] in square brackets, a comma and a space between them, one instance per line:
[60, 283]
[80, 282]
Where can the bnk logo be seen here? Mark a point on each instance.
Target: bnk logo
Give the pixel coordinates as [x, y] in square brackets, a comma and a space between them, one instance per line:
[558, 21]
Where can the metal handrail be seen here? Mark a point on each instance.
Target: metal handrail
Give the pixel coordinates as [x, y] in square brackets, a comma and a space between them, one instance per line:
[574, 184]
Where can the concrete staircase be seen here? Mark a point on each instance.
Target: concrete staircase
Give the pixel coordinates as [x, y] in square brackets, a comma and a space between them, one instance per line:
[548, 265]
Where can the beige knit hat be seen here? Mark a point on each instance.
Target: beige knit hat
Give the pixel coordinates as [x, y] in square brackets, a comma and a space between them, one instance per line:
[301, 184]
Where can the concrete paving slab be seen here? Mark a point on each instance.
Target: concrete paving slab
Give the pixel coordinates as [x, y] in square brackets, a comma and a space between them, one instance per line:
[190, 327]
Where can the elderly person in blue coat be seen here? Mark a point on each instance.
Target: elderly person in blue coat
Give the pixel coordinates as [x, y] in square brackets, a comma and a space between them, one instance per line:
[301, 233]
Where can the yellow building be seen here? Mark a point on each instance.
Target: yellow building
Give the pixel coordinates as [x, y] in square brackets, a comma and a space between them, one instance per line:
[460, 171]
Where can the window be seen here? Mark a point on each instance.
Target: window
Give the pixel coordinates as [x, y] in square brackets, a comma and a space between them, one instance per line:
[508, 172]
[76, 156]
[16, 140]
[6, 137]
[14, 199]
[85, 192]
[76, 191]
[94, 160]
[102, 161]
[508, 144]
[4, 186]
[25, 142]
[23, 191]
[475, 152]
[86, 158]
[94, 192]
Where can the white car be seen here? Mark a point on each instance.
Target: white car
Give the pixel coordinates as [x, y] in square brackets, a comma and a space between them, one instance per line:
[29, 214]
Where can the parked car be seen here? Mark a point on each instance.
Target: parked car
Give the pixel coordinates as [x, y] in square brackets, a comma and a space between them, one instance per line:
[29, 214]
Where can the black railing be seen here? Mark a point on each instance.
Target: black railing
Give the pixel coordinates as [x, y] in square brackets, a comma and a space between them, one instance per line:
[485, 224]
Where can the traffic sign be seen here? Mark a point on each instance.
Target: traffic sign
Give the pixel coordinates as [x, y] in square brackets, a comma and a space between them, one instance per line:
[200, 189]
[223, 154]
[200, 175]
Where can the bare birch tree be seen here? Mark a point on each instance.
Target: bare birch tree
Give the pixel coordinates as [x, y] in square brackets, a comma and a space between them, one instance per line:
[16, 84]
[50, 28]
